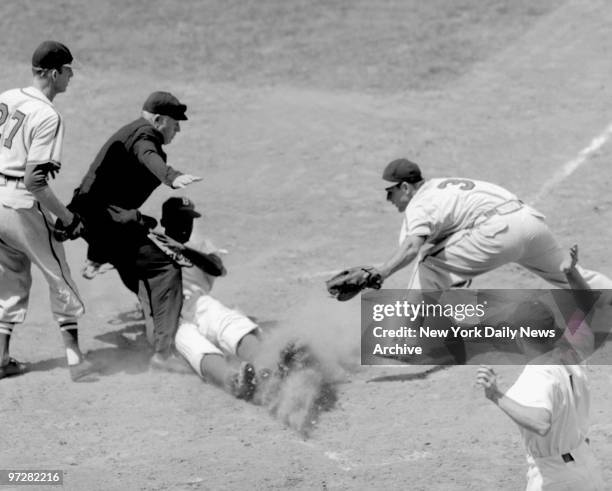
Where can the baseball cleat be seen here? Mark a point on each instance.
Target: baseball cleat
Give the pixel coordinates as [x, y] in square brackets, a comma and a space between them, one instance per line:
[244, 382]
[12, 368]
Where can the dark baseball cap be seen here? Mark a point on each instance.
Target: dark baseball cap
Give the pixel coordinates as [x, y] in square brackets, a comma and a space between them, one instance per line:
[166, 104]
[51, 54]
[179, 205]
[402, 170]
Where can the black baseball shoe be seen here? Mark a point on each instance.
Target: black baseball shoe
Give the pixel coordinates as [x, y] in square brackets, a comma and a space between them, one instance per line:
[243, 383]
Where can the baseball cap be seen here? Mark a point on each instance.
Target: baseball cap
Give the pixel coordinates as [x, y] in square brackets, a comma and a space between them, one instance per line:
[51, 54]
[401, 170]
[179, 205]
[166, 104]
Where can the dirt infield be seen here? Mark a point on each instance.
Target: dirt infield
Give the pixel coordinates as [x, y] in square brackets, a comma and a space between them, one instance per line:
[294, 108]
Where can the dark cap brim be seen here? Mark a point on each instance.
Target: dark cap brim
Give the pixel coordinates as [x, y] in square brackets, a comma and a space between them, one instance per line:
[389, 183]
[181, 211]
[180, 113]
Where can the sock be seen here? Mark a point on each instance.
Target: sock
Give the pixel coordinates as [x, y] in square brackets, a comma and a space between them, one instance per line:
[70, 334]
[72, 357]
[6, 328]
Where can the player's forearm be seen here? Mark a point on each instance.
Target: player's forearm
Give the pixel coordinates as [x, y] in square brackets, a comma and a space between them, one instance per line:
[575, 280]
[531, 418]
[209, 263]
[36, 181]
[46, 197]
[581, 290]
[402, 257]
[148, 156]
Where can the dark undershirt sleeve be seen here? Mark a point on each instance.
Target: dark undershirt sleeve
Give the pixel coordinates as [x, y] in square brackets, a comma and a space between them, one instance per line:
[209, 263]
[147, 154]
[35, 177]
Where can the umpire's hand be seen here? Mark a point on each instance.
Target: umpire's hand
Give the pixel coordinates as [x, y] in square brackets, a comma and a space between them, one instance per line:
[184, 180]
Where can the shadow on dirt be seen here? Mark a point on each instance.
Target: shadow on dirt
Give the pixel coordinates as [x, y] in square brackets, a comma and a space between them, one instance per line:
[130, 353]
[407, 377]
[46, 365]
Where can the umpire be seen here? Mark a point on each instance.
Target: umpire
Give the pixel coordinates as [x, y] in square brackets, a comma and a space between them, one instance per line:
[128, 168]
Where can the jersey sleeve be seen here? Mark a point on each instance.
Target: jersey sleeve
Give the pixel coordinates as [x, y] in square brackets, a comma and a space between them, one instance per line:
[533, 389]
[47, 142]
[419, 220]
[147, 154]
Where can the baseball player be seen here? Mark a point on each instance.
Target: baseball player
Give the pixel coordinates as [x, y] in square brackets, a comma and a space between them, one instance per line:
[126, 171]
[462, 228]
[208, 331]
[31, 137]
[550, 404]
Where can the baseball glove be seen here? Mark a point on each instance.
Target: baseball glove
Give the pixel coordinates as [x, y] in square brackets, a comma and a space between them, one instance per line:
[348, 283]
[71, 231]
[170, 247]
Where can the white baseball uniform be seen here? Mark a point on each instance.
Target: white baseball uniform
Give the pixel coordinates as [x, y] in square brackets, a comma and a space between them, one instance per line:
[31, 133]
[561, 459]
[474, 227]
[207, 326]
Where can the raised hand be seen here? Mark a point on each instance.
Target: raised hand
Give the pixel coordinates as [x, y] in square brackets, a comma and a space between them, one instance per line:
[184, 180]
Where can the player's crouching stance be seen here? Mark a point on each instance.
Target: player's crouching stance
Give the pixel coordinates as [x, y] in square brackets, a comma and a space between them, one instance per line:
[208, 330]
[550, 403]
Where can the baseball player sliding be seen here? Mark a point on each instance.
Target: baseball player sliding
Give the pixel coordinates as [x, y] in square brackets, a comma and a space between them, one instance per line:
[208, 330]
[461, 228]
[31, 138]
[550, 403]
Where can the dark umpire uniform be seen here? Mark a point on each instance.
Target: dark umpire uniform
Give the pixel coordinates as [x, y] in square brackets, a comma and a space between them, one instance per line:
[128, 168]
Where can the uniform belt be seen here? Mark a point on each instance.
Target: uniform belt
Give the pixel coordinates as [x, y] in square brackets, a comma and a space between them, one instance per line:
[505, 208]
[568, 457]
[6, 180]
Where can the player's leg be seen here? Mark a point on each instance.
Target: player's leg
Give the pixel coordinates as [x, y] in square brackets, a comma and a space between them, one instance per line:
[15, 282]
[467, 254]
[8, 366]
[42, 249]
[211, 365]
[227, 328]
[145, 305]
[544, 256]
[249, 347]
[163, 285]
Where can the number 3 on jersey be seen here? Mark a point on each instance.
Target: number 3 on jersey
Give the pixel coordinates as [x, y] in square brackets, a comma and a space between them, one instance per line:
[18, 116]
[464, 184]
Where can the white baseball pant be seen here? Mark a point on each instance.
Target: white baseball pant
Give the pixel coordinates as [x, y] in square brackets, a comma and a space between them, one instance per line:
[26, 237]
[521, 237]
[554, 474]
[215, 329]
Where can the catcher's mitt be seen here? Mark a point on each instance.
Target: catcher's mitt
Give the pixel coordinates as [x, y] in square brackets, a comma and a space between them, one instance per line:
[71, 231]
[348, 283]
